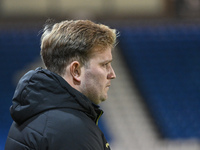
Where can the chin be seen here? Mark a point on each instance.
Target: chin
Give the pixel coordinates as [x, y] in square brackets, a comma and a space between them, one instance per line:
[104, 99]
[101, 99]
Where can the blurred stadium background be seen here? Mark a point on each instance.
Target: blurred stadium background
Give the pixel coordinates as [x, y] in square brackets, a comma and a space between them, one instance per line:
[154, 103]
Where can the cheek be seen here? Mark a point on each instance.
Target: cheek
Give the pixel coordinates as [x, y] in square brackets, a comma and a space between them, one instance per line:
[95, 77]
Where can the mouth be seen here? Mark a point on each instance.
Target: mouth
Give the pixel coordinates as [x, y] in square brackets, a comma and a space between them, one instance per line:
[108, 85]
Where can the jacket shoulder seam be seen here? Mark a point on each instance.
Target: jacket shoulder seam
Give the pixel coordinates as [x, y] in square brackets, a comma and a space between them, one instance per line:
[45, 126]
[41, 133]
[35, 130]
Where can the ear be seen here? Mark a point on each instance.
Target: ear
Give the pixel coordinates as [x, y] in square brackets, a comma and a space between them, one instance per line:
[75, 71]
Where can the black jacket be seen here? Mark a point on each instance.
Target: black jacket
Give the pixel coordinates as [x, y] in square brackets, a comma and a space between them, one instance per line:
[49, 114]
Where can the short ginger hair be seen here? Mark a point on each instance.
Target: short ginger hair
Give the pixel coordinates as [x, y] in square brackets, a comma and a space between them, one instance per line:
[64, 42]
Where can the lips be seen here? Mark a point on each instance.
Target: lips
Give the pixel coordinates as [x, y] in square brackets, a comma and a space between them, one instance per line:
[108, 85]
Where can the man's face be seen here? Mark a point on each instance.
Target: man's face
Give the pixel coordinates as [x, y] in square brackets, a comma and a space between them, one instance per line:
[96, 77]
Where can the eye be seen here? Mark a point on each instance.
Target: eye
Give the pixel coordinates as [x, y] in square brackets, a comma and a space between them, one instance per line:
[106, 64]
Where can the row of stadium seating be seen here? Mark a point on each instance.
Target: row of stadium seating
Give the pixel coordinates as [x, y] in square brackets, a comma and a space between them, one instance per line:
[18, 50]
[164, 62]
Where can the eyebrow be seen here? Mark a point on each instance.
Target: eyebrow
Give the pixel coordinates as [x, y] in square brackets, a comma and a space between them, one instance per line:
[107, 61]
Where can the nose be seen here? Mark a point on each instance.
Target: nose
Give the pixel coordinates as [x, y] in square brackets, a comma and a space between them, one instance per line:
[112, 74]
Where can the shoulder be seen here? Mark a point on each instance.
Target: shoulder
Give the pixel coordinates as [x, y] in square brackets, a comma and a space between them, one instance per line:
[72, 129]
[65, 121]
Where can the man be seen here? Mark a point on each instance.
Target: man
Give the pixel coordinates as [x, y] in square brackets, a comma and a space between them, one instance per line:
[57, 108]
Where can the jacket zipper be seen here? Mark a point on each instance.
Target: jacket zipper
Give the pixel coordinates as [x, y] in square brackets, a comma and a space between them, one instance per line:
[99, 117]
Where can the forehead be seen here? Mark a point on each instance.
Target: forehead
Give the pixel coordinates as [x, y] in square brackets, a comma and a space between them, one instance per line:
[103, 54]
